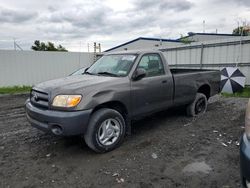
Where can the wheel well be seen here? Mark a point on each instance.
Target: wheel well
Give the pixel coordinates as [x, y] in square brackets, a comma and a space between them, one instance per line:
[116, 105]
[205, 89]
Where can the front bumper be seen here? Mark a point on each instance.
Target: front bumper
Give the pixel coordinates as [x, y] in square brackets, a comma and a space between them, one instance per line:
[58, 122]
[245, 159]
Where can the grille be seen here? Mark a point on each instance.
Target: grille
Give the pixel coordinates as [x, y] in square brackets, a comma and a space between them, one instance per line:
[39, 99]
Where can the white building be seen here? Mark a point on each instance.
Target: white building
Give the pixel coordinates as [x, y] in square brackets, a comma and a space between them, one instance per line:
[145, 43]
[199, 37]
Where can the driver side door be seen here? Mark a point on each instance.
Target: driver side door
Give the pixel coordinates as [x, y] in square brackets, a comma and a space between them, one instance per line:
[154, 91]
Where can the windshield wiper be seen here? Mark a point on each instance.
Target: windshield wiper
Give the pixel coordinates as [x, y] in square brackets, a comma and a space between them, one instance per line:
[108, 73]
[88, 73]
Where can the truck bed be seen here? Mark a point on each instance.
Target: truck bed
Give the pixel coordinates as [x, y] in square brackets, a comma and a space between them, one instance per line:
[188, 81]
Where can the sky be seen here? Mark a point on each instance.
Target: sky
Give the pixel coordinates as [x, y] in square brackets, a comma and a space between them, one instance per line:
[77, 23]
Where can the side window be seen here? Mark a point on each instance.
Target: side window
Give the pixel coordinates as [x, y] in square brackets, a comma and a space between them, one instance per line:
[152, 64]
[144, 62]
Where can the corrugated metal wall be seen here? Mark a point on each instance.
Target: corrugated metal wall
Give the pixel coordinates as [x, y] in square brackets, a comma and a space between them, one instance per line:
[212, 55]
[30, 67]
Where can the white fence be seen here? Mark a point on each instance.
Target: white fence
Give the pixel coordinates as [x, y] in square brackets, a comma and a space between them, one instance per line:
[30, 67]
[212, 55]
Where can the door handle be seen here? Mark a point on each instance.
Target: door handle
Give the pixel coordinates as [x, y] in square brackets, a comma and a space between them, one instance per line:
[164, 81]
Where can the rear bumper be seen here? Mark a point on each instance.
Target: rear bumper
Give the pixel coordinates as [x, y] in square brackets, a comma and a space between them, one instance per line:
[245, 159]
[67, 123]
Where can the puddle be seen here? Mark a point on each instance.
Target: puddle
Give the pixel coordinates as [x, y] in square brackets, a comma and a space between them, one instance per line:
[197, 167]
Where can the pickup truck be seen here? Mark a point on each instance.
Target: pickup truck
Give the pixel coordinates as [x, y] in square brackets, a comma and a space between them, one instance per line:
[120, 87]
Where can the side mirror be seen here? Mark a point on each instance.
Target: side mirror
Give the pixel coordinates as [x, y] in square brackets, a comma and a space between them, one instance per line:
[139, 74]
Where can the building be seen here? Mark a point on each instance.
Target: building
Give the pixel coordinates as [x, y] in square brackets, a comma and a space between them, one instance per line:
[199, 37]
[145, 43]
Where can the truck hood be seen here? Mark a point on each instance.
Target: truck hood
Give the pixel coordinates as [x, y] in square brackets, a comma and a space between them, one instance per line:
[73, 83]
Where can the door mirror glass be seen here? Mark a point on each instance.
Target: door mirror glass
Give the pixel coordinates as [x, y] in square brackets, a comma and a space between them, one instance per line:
[139, 74]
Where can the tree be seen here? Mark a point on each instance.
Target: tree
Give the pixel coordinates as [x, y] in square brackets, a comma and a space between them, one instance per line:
[185, 40]
[42, 46]
[245, 31]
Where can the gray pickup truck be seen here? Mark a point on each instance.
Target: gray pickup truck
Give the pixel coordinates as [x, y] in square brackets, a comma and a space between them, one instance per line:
[120, 87]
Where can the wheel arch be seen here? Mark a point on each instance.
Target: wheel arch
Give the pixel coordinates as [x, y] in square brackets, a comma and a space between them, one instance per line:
[205, 89]
[116, 105]
[121, 108]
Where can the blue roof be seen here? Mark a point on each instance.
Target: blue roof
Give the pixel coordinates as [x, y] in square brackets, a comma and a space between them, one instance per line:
[143, 38]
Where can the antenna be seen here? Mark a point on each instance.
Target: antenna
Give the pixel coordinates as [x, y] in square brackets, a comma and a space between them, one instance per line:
[16, 45]
[14, 40]
[203, 26]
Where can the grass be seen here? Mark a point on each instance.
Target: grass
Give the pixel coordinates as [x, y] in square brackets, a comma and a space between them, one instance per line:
[15, 89]
[244, 93]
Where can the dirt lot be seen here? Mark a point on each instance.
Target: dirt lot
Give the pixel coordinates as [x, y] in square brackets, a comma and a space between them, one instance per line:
[165, 150]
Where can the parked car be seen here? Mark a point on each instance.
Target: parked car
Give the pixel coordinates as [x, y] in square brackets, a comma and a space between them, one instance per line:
[245, 151]
[118, 88]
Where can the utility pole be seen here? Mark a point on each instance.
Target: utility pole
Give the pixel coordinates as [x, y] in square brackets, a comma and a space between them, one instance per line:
[94, 51]
[99, 47]
[239, 58]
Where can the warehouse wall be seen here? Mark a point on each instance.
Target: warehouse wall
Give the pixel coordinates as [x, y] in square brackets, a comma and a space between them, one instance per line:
[215, 54]
[30, 67]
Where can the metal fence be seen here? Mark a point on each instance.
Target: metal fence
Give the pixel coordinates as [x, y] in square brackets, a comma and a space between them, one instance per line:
[30, 67]
[231, 52]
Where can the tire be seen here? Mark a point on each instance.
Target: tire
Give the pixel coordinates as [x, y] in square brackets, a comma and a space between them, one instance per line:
[103, 124]
[198, 106]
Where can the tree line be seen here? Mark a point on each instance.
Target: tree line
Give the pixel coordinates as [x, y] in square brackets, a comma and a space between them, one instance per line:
[49, 46]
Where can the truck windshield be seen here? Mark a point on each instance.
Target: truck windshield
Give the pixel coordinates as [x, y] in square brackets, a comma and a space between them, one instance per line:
[113, 65]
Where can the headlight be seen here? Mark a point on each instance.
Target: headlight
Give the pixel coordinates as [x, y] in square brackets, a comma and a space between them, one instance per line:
[66, 100]
[247, 121]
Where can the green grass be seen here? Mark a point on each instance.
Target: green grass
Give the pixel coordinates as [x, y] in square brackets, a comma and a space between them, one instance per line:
[15, 89]
[244, 93]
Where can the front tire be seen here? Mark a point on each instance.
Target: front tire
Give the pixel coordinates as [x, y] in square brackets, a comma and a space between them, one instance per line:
[106, 130]
[198, 106]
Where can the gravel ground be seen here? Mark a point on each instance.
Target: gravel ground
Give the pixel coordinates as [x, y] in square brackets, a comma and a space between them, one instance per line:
[167, 149]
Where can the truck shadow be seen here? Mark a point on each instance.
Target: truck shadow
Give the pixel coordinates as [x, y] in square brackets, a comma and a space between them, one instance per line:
[75, 145]
[155, 120]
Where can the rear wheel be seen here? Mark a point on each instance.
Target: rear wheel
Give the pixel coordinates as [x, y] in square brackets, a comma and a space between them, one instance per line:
[198, 106]
[106, 130]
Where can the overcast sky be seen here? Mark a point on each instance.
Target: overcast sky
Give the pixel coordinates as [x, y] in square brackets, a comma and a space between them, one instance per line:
[75, 23]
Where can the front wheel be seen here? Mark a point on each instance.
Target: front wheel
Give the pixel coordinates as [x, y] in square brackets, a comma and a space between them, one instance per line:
[198, 106]
[106, 130]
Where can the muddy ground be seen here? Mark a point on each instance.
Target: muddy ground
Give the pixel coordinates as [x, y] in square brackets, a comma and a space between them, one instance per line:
[167, 149]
